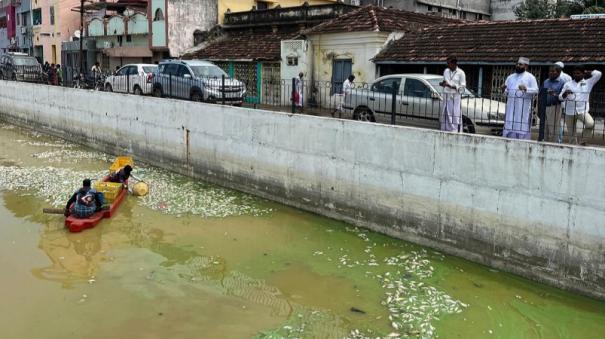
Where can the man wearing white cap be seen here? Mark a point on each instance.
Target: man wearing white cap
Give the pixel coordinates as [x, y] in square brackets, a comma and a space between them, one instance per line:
[519, 88]
[564, 76]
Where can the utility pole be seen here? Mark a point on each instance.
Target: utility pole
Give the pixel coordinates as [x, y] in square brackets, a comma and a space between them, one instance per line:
[81, 36]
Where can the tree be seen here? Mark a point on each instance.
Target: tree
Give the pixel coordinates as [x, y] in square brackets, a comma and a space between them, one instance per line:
[549, 9]
[535, 9]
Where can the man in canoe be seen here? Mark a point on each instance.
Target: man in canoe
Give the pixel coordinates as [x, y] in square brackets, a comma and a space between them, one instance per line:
[85, 201]
[121, 176]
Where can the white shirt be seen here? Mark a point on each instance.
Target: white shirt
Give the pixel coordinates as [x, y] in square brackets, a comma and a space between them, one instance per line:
[578, 102]
[518, 103]
[347, 86]
[565, 77]
[456, 79]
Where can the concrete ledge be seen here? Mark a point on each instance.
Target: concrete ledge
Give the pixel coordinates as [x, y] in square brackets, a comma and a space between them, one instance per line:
[537, 210]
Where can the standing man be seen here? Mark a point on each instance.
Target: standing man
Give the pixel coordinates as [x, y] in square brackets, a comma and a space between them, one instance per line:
[519, 88]
[347, 90]
[298, 91]
[576, 95]
[454, 83]
[552, 88]
[564, 76]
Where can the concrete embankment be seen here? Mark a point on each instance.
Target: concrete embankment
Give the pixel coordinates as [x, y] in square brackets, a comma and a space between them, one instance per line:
[536, 210]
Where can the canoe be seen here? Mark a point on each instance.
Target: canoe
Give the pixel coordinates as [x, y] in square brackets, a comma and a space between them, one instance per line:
[79, 224]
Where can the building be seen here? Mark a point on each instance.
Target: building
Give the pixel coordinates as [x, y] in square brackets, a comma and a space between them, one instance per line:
[249, 45]
[15, 26]
[459, 9]
[487, 61]
[116, 33]
[174, 24]
[346, 45]
[456, 9]
[225, 6]
[53, 22]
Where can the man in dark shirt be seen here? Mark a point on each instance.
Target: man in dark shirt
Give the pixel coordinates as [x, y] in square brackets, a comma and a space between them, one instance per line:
[121, 176]
[85, 201]
[552, 87]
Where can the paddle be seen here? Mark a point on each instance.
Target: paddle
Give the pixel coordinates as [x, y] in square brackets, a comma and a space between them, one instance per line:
[53, 211]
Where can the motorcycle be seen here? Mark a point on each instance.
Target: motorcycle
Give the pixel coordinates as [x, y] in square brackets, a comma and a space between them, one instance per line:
[96, 83]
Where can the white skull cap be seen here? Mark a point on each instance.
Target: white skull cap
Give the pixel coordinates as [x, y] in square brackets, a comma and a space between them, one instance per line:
[523, 60]
[559, 64]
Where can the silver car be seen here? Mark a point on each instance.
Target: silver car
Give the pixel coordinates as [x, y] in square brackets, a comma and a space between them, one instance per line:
[197, 80]
[419, 102]
[134, 78]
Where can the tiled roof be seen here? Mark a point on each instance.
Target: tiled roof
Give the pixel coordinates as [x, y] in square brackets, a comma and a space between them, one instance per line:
[542, 41]
[258, 45]
[378, 19]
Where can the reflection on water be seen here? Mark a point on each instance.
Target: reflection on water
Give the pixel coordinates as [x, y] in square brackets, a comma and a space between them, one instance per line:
[280, 273]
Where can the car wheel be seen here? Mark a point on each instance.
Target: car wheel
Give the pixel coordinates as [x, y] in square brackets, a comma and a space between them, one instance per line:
[157, 92]
[137, 90]
[467, 125]
[196, 96]
[363, 114]
[108, 88]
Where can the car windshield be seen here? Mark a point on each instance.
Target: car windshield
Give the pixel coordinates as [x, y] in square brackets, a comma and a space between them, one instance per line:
[207, 71]
[435, 83]
[149, 69]
[24, 61]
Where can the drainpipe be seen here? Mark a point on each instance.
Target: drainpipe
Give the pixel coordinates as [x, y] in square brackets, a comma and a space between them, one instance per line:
[480, 82]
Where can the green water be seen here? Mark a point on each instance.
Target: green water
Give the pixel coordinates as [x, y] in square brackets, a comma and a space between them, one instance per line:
[239, 267]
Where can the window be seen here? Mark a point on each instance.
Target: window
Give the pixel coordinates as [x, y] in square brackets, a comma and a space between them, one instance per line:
[262, 5]
[292, 61]
[37, 16]
[133, 70]
[129, 38]
[387, 85]
[123, 71]
[3, 22]
[120, 40]
[25, 19]
[159, 15]
[52, 15]
[182, 71]
[171, 69]
[416, 88]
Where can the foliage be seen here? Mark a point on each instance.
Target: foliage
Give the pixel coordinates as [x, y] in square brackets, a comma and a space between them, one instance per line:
[548, 9]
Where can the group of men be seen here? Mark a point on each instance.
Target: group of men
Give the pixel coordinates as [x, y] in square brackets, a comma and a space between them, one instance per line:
[86, 201]
[564, 94]
[53, 74]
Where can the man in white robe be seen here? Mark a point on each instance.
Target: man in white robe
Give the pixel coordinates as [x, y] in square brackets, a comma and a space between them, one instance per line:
[520, 89]
[454, 83]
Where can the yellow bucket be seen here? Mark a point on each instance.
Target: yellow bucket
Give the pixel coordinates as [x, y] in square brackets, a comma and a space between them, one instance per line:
[109, 189]
[120, 162]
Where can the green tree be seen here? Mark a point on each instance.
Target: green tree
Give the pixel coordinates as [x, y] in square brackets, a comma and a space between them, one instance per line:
[535, 9]
[549, 9]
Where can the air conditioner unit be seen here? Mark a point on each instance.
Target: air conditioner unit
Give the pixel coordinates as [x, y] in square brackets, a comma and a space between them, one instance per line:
[107, 44]
[24, 30]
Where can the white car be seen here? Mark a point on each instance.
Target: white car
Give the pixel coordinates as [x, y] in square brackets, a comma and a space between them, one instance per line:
[133, 78]
[419, 102]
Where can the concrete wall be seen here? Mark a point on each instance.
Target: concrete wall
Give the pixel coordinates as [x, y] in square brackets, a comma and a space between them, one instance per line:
[184, 18]
[537, 210]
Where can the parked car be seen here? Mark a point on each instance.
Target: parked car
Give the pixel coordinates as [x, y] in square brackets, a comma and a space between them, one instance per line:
[133, 78]
[419, 102]
[20, 67]
[197, 80]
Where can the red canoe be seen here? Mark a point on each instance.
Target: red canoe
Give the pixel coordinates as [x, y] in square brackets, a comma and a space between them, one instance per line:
[78, 224]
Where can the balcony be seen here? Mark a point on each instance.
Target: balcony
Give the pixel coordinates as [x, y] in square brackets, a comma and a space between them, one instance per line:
[286, 16]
